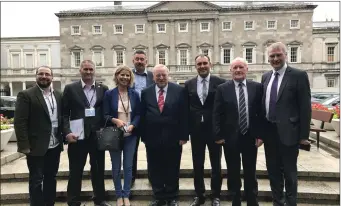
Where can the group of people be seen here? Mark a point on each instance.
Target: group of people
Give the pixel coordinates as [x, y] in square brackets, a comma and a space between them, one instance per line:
[236, 116]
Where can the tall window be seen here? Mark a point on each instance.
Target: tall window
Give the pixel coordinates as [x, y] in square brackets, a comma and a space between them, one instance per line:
[162, 57]
[183, 57]
[330, 53]
[29, 61]
[249, 54]
[293, 54]
[226, 56]
[42, 59]
[330, 82]
[76, 57]
[15, 60]
[119, 57]
[98, 58]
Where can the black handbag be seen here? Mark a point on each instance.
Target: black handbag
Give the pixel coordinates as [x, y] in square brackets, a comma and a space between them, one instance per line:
[110, 138]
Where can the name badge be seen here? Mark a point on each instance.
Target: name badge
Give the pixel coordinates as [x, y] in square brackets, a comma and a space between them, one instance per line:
[54, 124]
[90, 112]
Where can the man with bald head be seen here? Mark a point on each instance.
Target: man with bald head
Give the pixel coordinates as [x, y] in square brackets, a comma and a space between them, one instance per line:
[164, 129]
[236, 123]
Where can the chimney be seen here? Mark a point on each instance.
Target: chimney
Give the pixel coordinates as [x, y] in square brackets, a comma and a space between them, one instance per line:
[117, 3]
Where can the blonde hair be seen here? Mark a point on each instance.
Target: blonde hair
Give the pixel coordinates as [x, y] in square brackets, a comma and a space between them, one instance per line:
[124, 68]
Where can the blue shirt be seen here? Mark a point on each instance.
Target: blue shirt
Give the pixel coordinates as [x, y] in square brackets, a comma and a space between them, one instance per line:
[140, 81]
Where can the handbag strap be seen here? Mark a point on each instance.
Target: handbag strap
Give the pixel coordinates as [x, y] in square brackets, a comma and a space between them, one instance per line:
[106, 121]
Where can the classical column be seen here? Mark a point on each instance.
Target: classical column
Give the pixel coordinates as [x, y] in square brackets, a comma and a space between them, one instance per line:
[150, 35]
[22, 63]
[194, 40]
[49, 60]
[172, 53]
[35, 56]
[10, 88]
[23, 85]
[216, 41]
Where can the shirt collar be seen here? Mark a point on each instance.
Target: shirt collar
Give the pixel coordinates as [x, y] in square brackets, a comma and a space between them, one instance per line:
[207, 78]
[158, 88]
[83, 84]
[145, 71]
[236, 83]
[281, 70]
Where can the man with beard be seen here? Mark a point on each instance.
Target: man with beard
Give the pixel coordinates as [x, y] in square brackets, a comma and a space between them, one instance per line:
[38, 127]
[201, 91]
[236, 122]
[164, 129]
[143, 78]
[286, 109]
[83, 100]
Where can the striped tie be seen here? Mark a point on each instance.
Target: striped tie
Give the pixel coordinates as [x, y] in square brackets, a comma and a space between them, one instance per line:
[242, 110]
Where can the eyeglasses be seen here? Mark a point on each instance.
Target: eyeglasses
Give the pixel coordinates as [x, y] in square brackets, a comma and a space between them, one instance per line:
[44, 74]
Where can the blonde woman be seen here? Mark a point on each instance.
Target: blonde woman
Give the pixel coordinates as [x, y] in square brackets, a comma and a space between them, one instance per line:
[122, 107]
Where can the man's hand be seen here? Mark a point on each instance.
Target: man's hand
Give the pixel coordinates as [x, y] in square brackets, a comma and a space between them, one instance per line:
[25, 151]
[222, 141]
[259, 142]
[305, 142]
[71, 138]
[182, 142]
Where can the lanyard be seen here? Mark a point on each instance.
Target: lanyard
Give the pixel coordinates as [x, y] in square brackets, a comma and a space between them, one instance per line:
[93, 94]
[124, 108]
[51, 104]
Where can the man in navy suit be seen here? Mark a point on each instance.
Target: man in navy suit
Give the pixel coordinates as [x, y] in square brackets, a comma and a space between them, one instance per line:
[143, 79]
[164, 129]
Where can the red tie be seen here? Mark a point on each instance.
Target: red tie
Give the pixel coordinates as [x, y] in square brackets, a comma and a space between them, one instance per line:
[161, 100]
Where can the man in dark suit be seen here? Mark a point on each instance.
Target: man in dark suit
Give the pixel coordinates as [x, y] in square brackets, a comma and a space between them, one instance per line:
[287, 113]
[83, 100]
[201, 90]
[164, 129]
[236, 122]
[38, 127]
[143, 79]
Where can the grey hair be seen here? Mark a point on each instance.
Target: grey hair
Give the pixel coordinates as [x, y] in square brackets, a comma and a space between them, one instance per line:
[278, 45]
[240, 59]
[160, 66]
[88, 61]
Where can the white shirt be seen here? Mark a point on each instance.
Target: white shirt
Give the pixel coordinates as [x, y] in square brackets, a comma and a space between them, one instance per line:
[157, 89]
[281, 73]
[200, 85]
[236, 86]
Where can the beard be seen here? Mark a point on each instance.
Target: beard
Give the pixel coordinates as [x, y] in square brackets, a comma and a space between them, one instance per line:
[44, 85]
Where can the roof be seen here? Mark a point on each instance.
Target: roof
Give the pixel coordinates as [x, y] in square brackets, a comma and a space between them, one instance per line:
[33, 38]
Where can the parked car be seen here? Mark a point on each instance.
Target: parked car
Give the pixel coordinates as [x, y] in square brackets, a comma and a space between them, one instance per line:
[331, 102]
[323, 96]
[7, 106]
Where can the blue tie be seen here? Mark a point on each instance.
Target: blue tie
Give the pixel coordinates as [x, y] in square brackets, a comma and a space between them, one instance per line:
[273, 98]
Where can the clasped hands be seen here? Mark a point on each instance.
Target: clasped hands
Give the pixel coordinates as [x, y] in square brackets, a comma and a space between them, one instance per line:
[119, 123]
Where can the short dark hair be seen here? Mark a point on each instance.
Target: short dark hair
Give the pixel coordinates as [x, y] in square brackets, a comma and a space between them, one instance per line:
[202, 55]
[44, 67]
[140, 52]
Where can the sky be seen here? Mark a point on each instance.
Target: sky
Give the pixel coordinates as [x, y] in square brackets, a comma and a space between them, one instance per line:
[26, 19]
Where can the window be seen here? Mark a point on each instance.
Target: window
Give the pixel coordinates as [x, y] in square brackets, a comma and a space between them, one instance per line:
[294, 24]
[76, 59]
[249, 55]
[97, 29]
[271, 24]
[161, 28]
[75, 30]
[15, 61]
[204, 52]
[29, 61]
[162, 57]
[183, 27]
[248, 25]
[204, 26]
[226, 56]
[98, 58]
[118, 29]
[293, 54]
[330, 53]
[139, 28]
[42, 59]
[227, 26]
[330, 82]
[119, 57]
[183, 56]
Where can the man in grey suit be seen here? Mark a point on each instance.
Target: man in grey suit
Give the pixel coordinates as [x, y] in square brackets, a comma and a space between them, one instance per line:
[38, 126]
[286, 109]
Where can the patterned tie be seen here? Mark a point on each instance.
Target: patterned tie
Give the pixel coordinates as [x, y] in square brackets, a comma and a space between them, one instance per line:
[242, 110]
[273, 99]
[204, 90]
[161, 100]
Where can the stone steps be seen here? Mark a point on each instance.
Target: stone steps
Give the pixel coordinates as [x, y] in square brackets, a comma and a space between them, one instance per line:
[328, 142]
[309, 191]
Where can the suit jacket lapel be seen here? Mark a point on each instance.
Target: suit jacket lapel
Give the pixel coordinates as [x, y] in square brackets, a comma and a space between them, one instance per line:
[284, 82]
[195, 89]
[232, 91]
[42, 100]
[58, 101]
[81, 94]
[266, 83]
[250, 93]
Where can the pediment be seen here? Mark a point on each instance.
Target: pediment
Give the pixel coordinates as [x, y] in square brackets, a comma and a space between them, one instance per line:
[162, 46]
[227, 44]
[295, 43]
[205, 45]
[97, 47]
[269, 42]
[182, 5]
[75, 47]
[118, 47]
[140, 46]
[183, 45]
[249, 43]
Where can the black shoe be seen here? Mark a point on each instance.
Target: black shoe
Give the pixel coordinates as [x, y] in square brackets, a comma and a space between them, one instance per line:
[198, 201]
[215, 202]
[157, 203]
[103, 204]
[172, 203]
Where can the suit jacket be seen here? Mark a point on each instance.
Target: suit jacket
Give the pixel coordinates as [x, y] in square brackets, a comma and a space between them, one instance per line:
[226, 112]
[32, 121]
[74, 105]
[164, 128]
[150, 80]
[110, 107]
[293, 106]
[197, 110]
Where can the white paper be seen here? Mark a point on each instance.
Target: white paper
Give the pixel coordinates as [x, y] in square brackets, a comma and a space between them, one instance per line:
[77, 127]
